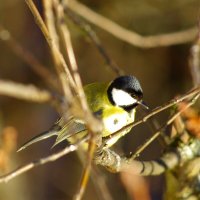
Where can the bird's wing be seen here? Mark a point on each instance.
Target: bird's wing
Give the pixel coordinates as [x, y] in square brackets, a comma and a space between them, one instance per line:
[69, 130]
[74, 129]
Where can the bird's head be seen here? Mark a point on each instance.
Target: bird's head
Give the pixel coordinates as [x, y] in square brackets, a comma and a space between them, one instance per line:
[125, 92]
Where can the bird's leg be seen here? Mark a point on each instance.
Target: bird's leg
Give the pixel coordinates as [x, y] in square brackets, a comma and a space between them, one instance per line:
[108, 159]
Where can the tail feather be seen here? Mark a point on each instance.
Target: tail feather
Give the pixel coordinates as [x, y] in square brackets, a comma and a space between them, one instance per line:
[71, 129]
[38, 138]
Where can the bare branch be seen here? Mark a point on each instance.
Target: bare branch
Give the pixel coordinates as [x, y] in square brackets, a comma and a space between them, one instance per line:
[92, 123]
[94, 38]
[128, 36]
[41, 161]
[194, 61]
[50, 22]
[87, 170]
[25, 92]
[69, 49]
[150, 140]
[61, 65]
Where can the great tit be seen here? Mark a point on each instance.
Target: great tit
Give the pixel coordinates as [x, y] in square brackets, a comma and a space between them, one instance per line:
[114, 103]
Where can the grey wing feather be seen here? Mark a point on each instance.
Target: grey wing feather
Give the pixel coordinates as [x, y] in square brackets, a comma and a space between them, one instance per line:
[70, 129]
[73, 128]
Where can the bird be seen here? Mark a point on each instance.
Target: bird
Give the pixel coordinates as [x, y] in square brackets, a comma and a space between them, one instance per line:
[114, 103]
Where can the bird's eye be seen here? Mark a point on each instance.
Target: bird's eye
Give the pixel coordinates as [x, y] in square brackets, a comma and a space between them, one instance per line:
[134, 96]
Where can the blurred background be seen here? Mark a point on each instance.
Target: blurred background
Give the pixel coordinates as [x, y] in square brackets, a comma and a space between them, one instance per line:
[163, 73]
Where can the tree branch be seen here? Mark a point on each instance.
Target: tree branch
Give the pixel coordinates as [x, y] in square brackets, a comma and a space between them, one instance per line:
[128, 36]
[25, 92]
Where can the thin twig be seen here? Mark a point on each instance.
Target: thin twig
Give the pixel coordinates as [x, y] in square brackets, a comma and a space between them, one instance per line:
[50, 22]
[194, 61]
[69, 49]
[92, 123]
[155, 135]
[25, 92]
[90, 120]
[42, 161]
[151, 114]
[87, 170]
[94, 38]
[39, 21]
[61, 66]
[128, 36]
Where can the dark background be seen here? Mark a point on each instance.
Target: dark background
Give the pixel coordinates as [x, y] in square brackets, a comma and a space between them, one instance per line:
[163, 73]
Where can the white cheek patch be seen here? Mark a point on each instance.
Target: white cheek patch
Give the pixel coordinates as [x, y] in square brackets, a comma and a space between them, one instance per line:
[122, 98]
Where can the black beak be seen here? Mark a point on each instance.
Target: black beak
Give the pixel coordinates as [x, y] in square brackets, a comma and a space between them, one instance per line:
[143, 104]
